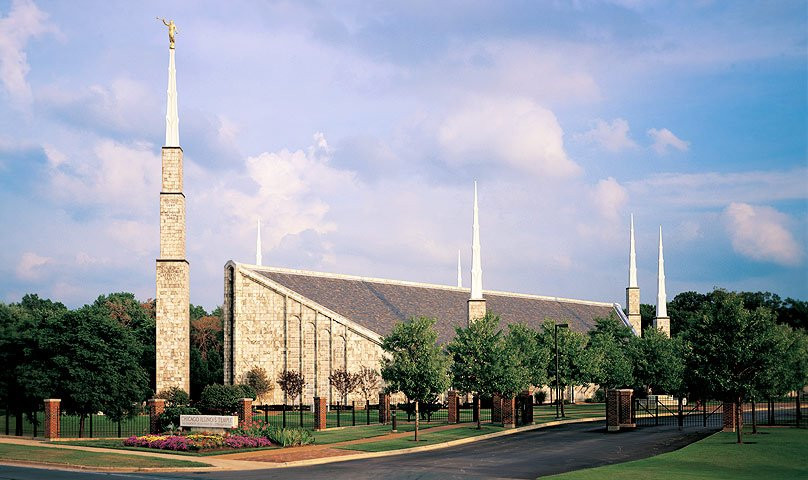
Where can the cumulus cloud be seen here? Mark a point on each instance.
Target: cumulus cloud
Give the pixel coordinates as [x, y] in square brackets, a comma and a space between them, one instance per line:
[609, 198]
[611, 136]
[23, 22]
[664, 140]
[29, 266]
[516, 132]
[761, 233]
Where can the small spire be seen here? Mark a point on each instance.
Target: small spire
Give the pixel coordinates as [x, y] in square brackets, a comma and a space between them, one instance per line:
[476, 268]
[632, 259]
[172, 117]
[661, 305]
[459, 272]
[258, 245]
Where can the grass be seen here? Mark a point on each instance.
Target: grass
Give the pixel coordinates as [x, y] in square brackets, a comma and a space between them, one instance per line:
[62, 456]
[772, 453]
[356, 433]
[425, 438]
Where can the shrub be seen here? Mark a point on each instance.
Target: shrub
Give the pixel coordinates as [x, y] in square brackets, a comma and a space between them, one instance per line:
[257, 380]
[541, 397]
[285, 437]
[175, 397]
[599, 396]
[224, 399]
[425, 409]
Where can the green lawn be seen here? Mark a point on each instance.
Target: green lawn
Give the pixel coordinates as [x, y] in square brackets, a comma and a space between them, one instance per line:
[425, 438]
[355, 433]
[772, 453]
[63, 456]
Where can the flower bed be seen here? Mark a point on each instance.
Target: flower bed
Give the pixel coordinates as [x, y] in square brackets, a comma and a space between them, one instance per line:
[196, 442]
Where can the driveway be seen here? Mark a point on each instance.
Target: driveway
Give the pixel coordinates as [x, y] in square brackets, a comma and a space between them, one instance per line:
[523, 455]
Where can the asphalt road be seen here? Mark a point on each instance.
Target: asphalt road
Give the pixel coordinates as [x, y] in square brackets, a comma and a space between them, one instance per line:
[524, 455]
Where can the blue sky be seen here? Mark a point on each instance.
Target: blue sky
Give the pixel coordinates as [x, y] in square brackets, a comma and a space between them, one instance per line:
[354, 131]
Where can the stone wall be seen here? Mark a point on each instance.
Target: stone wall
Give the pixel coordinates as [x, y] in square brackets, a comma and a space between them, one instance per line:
[276, 329]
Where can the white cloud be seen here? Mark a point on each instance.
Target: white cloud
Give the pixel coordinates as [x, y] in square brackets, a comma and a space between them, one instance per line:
[613, 137]
[665, 139]
[609, 198]
[29, 266]
[515, 131]
[23, 22]
[761, 233]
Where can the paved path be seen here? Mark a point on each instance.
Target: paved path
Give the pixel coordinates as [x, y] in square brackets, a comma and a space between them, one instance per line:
[522, 455]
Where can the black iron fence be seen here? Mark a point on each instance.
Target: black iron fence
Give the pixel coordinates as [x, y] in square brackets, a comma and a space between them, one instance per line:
[787, 410]
[95, 425]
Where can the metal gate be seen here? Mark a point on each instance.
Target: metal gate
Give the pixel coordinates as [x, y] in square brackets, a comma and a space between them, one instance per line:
[701, 413]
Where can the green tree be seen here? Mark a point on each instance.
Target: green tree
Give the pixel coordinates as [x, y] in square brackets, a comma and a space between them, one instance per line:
[257, 379]
[416, 365]
[535, 354]
[224, 399]
[732, 350]
[95, 364]
[574, 361]
[207, 353]
[647, 314]
[658, 362]
[609, 348]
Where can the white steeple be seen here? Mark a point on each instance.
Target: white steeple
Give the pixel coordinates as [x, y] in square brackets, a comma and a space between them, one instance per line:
[476, 268]
[258, 245]
[172, 118]
[661, 303]
[632, 259]
[459, 272]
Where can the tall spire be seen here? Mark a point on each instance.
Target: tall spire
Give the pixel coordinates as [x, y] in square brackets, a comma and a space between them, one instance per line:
[632, 259]
[661, 303]
[258, 245]
[476, 268]
[172, 117]
[459, 271]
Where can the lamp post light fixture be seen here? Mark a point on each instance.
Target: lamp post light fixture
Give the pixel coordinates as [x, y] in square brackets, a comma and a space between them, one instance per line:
[558, 385]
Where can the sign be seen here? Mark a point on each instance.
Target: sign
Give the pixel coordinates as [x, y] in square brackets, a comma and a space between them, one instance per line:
[209, 421]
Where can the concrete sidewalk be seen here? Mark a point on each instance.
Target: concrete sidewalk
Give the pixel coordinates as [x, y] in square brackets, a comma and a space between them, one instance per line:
[285, 457]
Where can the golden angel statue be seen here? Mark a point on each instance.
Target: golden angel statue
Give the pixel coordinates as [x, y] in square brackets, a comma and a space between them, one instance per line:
[172, 30]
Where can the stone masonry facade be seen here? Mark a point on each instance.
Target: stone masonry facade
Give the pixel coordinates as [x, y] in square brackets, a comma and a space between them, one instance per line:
[633, 308]
[173, 280]
[269, 326]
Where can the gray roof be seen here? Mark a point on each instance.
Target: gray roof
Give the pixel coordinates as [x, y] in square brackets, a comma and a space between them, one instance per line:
[379, 304]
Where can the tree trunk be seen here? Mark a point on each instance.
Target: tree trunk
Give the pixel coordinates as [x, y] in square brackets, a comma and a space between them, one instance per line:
[738, 419]
[81, 425]
[416, 420]
[477, 410]
[754, 420]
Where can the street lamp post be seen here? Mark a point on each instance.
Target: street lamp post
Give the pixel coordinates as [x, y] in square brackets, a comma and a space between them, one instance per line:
[558, 385]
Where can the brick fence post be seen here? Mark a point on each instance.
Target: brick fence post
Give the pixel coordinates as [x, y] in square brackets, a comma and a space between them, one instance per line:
[453, 400]
[156, 407]
[508, 412]
[245, 415]
[320, 410]
[384, 408]
[496, 409]
[729, 416]
[626, 404]
[612, 410]
[52, 417]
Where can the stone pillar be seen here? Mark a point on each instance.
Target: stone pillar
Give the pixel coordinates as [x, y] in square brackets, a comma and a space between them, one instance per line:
[454, 403]
[633, 309]
[729, 417]
[384, 408]
[664, 324]
[156, 407]
[52, 417]
[476, 310]
[173, 280]
[612, 410]
[508, 412]
[496, 409]
[245, 414]
[320, 410]
[527, 401]
[626, 405]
